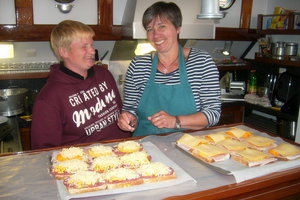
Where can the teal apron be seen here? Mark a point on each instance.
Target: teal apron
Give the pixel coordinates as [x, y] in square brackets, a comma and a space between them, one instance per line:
[173, 99]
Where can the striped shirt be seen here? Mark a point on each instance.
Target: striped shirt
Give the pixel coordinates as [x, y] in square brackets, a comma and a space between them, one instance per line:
[203, 77]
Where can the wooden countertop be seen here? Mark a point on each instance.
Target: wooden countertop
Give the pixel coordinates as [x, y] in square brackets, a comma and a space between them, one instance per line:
[278, 185]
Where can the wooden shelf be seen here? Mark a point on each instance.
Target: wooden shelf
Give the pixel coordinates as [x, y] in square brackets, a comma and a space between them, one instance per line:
[237, 34]
[285, 62]
[288, 26]
[232, 67]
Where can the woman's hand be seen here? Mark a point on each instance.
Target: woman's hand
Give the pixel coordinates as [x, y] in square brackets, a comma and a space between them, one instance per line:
[127, 121]
[163, 120]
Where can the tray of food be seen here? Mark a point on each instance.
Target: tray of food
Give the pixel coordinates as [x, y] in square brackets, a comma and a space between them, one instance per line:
[103, 169]
[234, 150]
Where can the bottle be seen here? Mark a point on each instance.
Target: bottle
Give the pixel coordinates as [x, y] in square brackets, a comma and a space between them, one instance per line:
[252, 82]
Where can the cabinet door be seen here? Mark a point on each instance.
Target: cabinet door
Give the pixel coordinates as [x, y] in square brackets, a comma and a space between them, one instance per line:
[7, 12]
[231, 114]
[46, 12]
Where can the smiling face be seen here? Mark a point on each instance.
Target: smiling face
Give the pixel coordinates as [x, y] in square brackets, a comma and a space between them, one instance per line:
[162, 34]
[79, 57]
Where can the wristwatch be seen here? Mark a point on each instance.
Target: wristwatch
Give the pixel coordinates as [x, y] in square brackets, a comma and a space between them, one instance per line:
[178, 123]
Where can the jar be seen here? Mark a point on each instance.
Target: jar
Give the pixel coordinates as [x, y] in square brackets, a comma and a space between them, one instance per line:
[291, 49]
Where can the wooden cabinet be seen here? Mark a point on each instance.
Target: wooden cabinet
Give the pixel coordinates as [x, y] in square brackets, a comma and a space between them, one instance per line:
[231, 114]
[26, 30]
[25, 138]
[47, 12]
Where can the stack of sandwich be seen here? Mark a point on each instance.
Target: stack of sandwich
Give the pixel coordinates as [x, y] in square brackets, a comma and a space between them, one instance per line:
[104, 167]
[240, 145]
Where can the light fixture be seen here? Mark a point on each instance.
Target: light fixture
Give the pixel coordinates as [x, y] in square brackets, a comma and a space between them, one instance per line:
[64, 6]
[227, 48]
[210, 10]
[143, 48]
[225, 4]
[6, 50]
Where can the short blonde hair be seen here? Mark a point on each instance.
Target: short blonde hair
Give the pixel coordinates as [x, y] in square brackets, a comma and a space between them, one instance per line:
[65, 32]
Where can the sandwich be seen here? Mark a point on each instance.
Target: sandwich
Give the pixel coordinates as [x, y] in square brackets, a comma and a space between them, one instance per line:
[135, 159]
[128, 147]
[232, 145]
[122, 177]
[69, 154]
[155, 172]
[104, 163]
[85, 181]
[210, 153]
[187, 141]
[62, 170]
[238, 133]
[285, 152]
[216, 137]
[252, 157]
[260, 142]
[100, 150]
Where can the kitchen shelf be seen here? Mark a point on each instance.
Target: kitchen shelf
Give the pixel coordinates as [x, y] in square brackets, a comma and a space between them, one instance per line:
[232, 66]
[288, 24]
[285, 62]
[237, 34]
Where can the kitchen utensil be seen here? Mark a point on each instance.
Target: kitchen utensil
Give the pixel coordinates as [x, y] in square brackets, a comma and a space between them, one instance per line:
[64, 8]
[278, 50]
[274, 46]
[291, 49]
[12, 101]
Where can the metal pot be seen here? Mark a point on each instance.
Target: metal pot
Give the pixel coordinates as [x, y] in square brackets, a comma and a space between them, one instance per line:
[12, 101]
[291, 49]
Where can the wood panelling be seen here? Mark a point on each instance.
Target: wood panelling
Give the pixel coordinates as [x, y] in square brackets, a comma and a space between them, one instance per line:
[246, 10]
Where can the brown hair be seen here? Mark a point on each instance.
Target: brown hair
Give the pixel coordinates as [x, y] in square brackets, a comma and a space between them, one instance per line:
[165, 10]
[65, 32]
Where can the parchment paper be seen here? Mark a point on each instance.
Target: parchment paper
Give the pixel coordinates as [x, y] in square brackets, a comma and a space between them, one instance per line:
[156, 155]
[26, 176]
[241, 172]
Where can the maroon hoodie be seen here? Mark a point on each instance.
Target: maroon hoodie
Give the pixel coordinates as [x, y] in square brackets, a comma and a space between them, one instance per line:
[70, 110]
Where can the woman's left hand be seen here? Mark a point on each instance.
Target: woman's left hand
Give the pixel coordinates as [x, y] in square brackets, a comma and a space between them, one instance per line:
[163, 120]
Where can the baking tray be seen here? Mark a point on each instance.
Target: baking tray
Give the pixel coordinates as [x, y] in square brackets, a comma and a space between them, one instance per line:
[156, 155]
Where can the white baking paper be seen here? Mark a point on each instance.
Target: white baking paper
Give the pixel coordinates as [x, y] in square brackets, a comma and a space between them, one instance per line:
[156, 155]
[241, 172]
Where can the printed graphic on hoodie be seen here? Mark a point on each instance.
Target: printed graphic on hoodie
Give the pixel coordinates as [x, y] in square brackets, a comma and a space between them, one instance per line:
[105, 108]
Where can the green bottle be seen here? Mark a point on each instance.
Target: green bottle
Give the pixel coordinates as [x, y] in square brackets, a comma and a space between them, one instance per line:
[252, 82]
